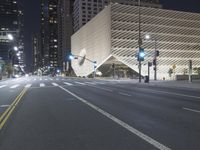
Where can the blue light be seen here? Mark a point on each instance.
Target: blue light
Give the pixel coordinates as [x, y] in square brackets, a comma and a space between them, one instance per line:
[71, 57]
[142, 54]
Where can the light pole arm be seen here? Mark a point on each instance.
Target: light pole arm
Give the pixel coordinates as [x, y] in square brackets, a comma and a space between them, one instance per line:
[84, 58]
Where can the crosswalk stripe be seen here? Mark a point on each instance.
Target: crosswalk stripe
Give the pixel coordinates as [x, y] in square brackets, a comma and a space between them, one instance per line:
[14, 86]
[28, 86]
[40, 79]
[3, 86]
[80, 83]
[34, 79]
[42, 84]
[45, 79]
[67, 83]
[54, 84]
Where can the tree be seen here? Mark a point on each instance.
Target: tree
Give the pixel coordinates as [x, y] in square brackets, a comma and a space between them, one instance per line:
[170, 72]
[9, 69]
[197, 70]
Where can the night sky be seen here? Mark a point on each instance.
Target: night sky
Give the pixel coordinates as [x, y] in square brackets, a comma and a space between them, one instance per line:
[32, 17]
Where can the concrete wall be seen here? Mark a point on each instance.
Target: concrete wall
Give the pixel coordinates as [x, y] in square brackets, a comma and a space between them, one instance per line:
[93, 42]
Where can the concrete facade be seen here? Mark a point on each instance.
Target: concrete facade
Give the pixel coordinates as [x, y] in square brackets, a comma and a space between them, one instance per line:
[113, 33]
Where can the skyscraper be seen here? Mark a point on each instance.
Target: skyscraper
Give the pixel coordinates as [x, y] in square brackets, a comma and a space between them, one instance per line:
[56, 30]
[85, 10]
[36, 51]
[9, 24]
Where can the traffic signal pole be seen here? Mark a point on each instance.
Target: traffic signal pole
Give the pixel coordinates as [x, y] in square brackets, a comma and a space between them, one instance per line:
[155, 57]
[139, 40]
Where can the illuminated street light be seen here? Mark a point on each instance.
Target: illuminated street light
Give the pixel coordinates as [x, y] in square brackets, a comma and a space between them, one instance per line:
[156, 53]
[18, 54]
[71, 57]
[16, 48]
[147, 37]
[10, 37]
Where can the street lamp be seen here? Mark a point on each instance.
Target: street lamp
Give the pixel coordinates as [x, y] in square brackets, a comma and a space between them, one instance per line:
[10, 37]
[139, 40]
[156, 53]
[18, 54]
[15, 48]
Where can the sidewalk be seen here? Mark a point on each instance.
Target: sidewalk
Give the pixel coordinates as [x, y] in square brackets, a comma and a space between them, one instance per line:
[4, 78]
[161, 83]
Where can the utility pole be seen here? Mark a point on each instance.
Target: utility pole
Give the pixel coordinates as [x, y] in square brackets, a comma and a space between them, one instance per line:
[190, 71]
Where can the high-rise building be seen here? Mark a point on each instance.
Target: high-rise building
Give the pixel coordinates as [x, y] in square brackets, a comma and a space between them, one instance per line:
[85, 10]
[36, 52]
[56, 30]
[11, 14]
[9, 24]
[111, 39]
[21, 34]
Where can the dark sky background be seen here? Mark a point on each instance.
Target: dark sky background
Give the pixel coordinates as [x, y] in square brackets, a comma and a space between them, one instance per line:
[32, 18]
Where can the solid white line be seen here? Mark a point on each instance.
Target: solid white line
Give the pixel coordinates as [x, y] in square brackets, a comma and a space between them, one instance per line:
[45, 79]
[80, 83]
[34, 79]
[67, 83]
[28, 86]
[40, 79]
[42, 85]
[120, 122]
[3, 86]
[121, 93]
[14, 86]
[157, 91]
[54, 84]
[193, 110]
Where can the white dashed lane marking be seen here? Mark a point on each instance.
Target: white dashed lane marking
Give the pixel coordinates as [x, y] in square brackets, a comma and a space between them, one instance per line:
[67, 83]
[1, 86]
[42, 85]
[54, 84]
[80, 83]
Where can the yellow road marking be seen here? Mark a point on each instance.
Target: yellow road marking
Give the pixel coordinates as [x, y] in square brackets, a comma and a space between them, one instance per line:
[10, 109]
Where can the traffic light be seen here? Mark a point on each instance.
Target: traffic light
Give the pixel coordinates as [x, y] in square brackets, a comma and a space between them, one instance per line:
[95, 64]
[141, 54]
[157, 53]
[154, 62]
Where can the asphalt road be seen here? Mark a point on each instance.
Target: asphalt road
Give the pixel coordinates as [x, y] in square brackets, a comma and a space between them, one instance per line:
[56, 113]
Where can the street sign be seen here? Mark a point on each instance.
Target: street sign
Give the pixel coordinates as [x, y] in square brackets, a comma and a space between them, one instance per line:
[174, 66]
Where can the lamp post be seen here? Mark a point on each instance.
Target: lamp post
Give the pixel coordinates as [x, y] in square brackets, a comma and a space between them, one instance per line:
[156, 53]
[139, 39]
